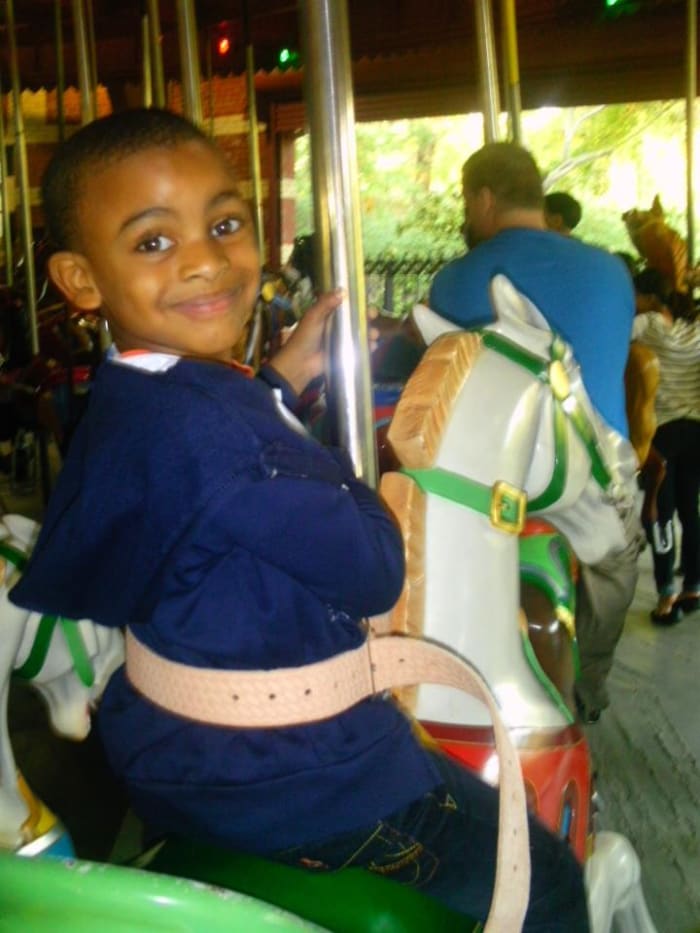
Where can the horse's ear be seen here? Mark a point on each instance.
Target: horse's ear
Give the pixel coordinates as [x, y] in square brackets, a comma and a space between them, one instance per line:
[510, 305]
[430, 324]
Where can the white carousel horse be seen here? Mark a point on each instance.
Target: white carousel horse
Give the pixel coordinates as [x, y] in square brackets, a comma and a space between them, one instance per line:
[68, 663]
[490, 426]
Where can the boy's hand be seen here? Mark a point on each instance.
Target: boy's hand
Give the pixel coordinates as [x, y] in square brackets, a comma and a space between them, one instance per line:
[302, 357]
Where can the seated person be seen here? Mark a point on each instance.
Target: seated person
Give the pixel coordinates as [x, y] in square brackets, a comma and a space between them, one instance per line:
[224, 537]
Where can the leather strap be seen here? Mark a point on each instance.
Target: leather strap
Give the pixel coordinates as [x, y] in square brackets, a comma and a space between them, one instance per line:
[503, 504]
[291, 696]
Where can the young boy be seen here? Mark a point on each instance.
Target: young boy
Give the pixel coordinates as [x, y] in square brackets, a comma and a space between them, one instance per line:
[192, 509]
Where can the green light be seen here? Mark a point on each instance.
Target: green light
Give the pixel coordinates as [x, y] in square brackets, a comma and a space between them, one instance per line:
[622, 7]
[287, 58]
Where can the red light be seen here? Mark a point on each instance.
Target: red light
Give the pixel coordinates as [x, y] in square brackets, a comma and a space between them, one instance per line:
[223, 45]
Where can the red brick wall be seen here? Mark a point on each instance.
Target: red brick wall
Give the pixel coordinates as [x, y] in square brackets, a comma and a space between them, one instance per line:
[227, 96]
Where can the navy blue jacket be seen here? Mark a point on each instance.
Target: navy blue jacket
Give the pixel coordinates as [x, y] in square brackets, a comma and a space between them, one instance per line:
[189, 510]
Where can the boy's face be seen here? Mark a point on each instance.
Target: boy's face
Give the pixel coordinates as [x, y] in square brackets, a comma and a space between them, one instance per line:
[167, 252]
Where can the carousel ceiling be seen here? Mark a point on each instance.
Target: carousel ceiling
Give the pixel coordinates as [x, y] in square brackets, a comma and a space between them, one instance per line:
[410, 55]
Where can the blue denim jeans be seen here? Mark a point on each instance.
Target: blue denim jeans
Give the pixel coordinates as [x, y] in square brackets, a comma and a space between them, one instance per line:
[445, 846]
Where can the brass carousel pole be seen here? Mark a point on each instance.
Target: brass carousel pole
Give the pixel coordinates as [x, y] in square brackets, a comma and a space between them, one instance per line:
[210, 86]
[5, 197]
[60, 71]
[92, 53]
[22, 177]
[146, 72]
[189, 61]
[511, 68]
[253, 139]
[339, 259]
[156, 56]
[691, 93]
[82, 51]
[488, 74]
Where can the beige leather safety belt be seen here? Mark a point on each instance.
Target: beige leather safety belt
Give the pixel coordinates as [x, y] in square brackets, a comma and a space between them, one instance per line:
[292, 696]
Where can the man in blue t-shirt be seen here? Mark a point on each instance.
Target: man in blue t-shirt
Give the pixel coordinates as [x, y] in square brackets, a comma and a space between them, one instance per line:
[586, 295]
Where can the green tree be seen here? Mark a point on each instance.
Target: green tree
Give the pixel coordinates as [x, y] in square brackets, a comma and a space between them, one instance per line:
[607, 158]
[612, 158]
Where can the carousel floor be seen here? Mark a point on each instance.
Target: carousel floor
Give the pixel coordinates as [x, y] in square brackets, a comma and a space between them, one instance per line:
[646, 753]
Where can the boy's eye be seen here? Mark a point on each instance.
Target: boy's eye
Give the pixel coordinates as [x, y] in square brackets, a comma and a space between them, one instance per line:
[154, 244]
[227, 226]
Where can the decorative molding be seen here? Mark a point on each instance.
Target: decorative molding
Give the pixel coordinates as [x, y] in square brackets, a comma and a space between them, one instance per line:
[288, 188]
[234, 125]
[245, 186]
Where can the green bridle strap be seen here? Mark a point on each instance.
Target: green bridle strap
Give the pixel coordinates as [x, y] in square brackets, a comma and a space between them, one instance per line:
[515, 353]
[42, 640]
[557, 482]
[13, 556]
[584, 429]
[501, 503]
[566, 406]
[76, 646]
[40, 649]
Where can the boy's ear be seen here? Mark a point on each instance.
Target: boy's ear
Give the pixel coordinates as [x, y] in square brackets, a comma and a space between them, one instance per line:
[71, 273]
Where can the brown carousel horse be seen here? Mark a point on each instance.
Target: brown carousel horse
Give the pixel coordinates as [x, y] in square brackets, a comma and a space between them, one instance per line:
[662, 248]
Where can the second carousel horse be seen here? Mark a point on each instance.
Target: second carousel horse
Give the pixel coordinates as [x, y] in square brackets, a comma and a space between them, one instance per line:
[68, 663]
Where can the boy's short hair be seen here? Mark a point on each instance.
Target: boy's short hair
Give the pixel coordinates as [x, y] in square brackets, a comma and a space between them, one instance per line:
[96, 145]
[509, 171]
[564, 204]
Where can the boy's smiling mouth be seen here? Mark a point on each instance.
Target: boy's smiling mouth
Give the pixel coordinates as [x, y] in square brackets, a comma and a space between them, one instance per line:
[209, 305]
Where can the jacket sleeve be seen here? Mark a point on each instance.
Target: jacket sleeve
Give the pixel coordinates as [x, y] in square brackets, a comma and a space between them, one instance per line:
[307, 515]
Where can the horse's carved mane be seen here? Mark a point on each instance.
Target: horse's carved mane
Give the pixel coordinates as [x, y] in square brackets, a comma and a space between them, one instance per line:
[427, 400]
[415, 432]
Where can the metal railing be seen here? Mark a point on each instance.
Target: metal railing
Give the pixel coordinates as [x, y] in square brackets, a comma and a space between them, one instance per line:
[394, 285]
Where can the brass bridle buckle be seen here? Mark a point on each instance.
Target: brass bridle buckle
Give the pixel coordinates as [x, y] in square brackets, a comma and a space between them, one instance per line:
[508, 508]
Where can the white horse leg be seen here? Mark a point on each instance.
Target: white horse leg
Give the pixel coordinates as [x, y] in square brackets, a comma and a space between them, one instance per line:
[67, 698]
[13, 809]
[613, 882]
